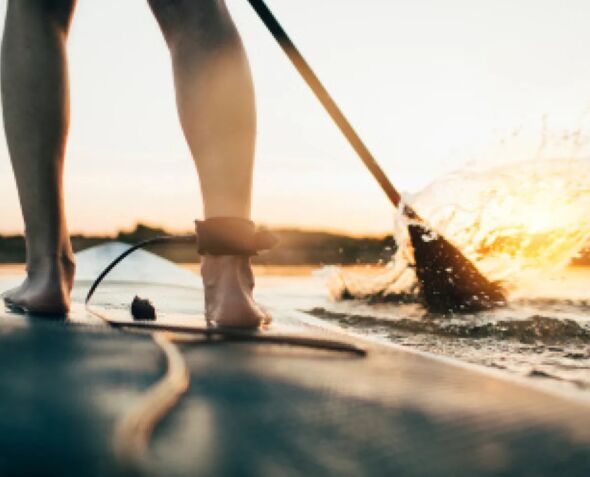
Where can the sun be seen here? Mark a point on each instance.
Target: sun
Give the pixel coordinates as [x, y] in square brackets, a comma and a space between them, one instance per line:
[529, 216]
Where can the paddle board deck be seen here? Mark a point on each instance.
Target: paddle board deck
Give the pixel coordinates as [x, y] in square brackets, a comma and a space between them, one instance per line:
[266, 409]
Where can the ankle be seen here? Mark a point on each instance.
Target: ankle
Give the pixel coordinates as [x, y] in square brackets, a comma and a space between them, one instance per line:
[63, 260]
[218, 264]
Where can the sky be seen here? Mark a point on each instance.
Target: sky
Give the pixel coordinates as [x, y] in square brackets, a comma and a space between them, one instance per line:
[432, 87]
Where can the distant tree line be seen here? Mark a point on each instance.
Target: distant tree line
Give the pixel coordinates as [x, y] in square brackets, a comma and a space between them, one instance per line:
[295, 247]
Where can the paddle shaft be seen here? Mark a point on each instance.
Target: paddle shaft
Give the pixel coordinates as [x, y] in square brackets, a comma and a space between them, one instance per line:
[328, 102]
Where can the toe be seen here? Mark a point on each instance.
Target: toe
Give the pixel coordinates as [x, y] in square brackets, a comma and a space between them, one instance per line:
[11, 303]
[265, 316]
[10, 297]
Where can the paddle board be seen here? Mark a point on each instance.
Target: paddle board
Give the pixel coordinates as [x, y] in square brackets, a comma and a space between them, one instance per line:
[71, 390]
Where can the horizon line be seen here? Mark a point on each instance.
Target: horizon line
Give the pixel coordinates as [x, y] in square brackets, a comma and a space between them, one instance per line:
[275, 228]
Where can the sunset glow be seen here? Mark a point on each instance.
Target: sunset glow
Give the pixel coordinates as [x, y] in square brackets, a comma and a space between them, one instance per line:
[529, 216]
[430, 89]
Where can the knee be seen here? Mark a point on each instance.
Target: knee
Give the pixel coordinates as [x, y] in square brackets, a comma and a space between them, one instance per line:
[203, 23]
[58, 12]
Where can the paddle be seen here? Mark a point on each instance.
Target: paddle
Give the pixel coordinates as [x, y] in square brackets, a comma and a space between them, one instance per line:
[450, 282]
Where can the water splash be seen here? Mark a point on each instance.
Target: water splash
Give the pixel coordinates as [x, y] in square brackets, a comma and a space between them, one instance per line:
[511, 221]
[515, 222]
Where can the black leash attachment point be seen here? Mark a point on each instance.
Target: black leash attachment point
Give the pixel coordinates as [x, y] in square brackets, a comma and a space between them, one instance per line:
[142, 309]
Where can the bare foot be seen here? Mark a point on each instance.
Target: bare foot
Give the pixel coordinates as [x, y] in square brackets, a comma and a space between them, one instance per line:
[229, 282]
[46, 290]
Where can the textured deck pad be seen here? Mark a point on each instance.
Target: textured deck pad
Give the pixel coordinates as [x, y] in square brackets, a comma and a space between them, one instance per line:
[61, 389]
[259, 411]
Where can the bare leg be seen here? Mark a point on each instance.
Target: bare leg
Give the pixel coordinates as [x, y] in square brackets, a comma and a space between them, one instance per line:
[215, 100]
[36, 115]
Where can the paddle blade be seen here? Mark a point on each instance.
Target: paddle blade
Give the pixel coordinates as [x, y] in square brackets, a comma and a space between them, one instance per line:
[449, 281]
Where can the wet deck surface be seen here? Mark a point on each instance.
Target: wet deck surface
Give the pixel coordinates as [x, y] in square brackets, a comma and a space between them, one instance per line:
[270, 410]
